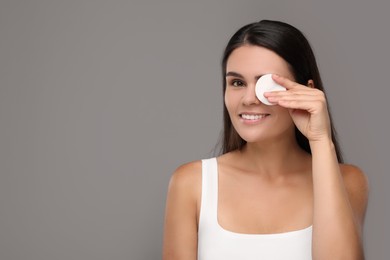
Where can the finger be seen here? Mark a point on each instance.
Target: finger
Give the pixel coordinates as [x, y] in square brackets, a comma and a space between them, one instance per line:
[309, 94]
[295, 97]
[285, 82]
[300, 103]
[309, 106]
[290, 84]
[320, 97]
[296, 91]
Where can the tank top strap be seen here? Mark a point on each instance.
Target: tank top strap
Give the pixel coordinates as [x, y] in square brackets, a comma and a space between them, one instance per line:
[209, 200]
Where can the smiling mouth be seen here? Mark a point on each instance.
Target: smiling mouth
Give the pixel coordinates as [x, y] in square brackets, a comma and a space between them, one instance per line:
[253, 117]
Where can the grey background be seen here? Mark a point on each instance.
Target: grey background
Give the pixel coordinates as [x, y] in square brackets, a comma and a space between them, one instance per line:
[100, 101]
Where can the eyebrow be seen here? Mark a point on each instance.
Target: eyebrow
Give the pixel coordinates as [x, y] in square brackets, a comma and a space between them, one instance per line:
[238, 75]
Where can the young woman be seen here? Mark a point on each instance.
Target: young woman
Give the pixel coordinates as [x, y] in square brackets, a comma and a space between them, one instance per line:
[279, 190]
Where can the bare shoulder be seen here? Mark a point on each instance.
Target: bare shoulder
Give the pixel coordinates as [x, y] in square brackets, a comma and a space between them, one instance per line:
[357, 186]
[185, 182]
[187, 175]
[180, 227]
[354, 177]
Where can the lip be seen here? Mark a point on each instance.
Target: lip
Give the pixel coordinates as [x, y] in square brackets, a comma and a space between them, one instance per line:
[253, 121]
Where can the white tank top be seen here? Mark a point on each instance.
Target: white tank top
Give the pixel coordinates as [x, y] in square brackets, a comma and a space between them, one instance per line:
[216, 243]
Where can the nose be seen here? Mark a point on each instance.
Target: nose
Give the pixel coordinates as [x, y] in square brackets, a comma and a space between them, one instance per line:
[250, 97]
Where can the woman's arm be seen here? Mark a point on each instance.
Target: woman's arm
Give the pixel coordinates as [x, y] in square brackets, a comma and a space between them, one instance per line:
[180, 228]
[340, 201]
[340, 196]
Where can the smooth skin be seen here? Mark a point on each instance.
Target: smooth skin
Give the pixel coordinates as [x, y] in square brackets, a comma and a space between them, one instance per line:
[272, 177]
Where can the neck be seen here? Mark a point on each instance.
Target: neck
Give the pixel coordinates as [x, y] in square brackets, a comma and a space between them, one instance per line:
[274, 158]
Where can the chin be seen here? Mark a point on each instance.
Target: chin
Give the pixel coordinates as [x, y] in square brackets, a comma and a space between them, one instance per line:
[257, 136]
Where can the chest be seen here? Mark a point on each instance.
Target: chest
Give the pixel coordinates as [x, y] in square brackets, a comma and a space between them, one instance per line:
[255, 206]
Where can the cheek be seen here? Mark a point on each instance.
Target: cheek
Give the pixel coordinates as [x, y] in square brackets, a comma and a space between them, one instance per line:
[232, 98]
[228, 101]
[284, 114]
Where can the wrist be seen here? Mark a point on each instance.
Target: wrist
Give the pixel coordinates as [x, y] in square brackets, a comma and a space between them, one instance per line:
[321, 144]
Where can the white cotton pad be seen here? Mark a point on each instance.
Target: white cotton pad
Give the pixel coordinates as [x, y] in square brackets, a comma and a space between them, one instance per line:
[266, 84]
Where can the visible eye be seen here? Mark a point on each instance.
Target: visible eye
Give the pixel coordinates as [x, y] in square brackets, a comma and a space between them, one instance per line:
[237, 83]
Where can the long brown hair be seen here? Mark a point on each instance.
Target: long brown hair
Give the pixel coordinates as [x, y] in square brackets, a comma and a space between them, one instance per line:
[289, 43]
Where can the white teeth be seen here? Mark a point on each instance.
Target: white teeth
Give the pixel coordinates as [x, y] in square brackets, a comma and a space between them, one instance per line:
[252, 117]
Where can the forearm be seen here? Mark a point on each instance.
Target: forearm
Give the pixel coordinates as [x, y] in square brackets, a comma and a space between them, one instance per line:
[336, 232]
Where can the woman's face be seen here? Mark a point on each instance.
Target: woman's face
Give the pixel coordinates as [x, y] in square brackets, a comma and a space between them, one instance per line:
[253, 120]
